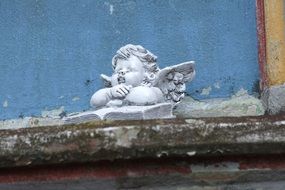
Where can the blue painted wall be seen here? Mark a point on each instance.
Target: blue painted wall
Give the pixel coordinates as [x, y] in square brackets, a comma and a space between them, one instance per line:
[52, 52]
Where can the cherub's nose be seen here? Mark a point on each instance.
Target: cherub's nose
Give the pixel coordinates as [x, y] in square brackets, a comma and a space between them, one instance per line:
[122, 72]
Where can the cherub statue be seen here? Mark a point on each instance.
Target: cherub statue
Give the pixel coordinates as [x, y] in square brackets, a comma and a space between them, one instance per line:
[137, 80]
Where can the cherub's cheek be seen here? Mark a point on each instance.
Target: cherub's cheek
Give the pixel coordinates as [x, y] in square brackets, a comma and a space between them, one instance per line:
[137, 75]
[134, 78]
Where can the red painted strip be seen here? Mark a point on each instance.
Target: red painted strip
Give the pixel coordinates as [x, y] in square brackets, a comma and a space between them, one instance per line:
[136, 168]
[261, 33]
[272, 163]
[97, 170]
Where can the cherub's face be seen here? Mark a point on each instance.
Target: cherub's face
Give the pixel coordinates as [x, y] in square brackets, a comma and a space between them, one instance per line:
[128, 72]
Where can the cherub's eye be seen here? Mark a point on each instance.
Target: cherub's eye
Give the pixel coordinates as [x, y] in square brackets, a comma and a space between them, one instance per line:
[122, 71]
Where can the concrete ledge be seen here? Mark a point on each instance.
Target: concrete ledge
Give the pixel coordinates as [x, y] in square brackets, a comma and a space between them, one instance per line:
[95, 141]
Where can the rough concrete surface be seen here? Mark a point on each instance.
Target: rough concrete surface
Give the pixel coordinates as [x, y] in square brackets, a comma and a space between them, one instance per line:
[273, 99]
[157, 154]
[107, 140]
[240, 104]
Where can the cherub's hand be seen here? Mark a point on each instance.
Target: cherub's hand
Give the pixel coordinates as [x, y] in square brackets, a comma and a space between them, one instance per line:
[120, 91]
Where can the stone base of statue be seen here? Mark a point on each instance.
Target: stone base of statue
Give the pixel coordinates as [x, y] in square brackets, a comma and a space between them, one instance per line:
[157, 111]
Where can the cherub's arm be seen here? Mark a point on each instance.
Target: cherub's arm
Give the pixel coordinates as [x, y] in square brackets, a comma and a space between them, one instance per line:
[103, 96]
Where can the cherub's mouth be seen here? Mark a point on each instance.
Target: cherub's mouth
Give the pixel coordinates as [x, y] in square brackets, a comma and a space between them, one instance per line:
[121, 80]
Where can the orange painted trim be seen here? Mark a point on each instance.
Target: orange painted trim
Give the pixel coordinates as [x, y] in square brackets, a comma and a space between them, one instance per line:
[275, 41]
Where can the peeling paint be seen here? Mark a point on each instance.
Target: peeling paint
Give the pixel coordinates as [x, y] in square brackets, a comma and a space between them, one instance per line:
[5, 104]
[111, 9]
[240, 104]
[75, 98]
[206, 91]
[217, 85]
[53, 113]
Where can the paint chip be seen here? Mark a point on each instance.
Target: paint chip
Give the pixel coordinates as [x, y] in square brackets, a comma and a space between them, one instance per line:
[111, 9]
[5, 104]
[61, 97]
[217, 85]
[75, 98]
[55, 113]
[206, 91]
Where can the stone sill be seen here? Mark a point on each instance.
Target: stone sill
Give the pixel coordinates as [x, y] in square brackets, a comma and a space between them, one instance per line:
[94, 141]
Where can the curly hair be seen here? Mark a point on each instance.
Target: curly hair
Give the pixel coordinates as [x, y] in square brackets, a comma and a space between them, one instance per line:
[145, 56]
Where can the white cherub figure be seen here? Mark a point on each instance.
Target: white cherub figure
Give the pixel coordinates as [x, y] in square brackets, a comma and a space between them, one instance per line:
[137, 80]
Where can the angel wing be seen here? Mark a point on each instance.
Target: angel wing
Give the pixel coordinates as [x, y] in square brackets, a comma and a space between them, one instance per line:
[106, 80]
[171, 81]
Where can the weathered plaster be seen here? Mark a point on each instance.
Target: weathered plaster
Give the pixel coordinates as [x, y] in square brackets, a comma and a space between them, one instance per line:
[30, 122]
[273, 99]
[240, 104]
[54, 113]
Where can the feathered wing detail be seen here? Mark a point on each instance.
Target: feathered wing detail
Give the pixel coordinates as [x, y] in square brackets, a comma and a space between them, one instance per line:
[171, 81]
[106, 80]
